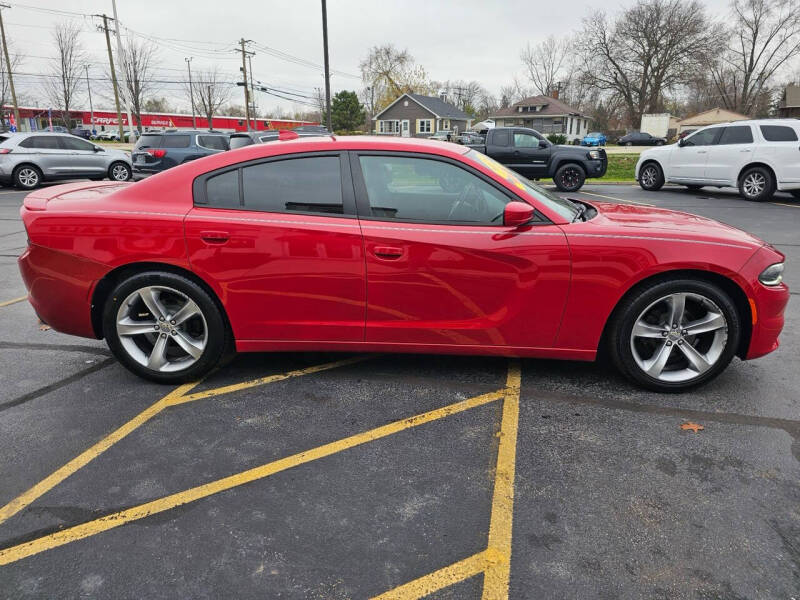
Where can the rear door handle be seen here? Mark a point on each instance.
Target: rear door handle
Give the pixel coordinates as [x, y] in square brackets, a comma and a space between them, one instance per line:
[215, 237]
[701, 151]
[388, 252]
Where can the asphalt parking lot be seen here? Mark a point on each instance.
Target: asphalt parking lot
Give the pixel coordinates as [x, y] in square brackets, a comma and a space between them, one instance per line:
[340, 476]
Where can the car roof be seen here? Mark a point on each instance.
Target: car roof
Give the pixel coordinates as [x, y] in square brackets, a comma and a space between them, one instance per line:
[361, 142]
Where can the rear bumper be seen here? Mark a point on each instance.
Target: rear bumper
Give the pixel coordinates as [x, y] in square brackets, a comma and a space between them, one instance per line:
[59, 288]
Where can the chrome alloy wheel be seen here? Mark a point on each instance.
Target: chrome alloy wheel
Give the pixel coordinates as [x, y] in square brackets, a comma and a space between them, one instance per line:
[28, 177]
[754, 184]
[679, 337]
[119, 173]
[161, 328]
[648, 176]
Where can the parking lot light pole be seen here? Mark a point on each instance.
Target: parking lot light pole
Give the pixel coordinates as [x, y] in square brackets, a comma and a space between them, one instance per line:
[191, 90]
[327, 66]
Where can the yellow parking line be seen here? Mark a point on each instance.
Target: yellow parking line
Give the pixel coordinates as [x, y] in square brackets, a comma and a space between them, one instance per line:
[177, 396]
[789, 205]
[14, 301]
[52, 480]
[617, 199]
[78, 532]
[265, 380]
[446, 576]
[495, 580]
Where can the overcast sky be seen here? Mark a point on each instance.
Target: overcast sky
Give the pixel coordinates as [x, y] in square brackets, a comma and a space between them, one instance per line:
[451, 39]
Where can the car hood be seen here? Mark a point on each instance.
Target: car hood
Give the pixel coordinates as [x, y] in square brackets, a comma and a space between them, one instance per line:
[635, 220]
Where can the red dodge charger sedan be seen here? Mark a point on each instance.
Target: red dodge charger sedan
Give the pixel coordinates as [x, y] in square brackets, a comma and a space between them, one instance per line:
[398, 245]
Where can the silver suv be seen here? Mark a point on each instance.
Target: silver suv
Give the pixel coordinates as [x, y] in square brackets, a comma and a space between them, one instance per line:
[27, 159]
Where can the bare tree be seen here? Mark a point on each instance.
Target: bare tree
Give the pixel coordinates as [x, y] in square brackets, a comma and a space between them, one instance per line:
[62, 87]
[137, 61]
[651, 48]
[210, 92]
[390, 72]
[764, 35]
[465, 95]
[512, 93]
[545, 63]
[16, 59]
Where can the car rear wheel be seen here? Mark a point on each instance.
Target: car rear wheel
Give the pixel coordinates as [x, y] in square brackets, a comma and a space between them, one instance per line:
[119, 171]
[675, 335]
[757, 184]
[569, 177]
[27, 177]
[164, 327]
[651, 177]
[629, 143]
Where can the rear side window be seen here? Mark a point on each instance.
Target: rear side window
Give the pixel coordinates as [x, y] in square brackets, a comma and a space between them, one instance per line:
[148, 141]
[310, 184]
[41, 142]
[69, 143]
[741, 134]
[240, 141]
[222, 191]
[778, 133]
[176, 141]
[214, 142]
[501, 138]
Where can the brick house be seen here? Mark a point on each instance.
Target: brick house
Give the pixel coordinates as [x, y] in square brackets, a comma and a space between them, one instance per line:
[545, 114]
[415, 115]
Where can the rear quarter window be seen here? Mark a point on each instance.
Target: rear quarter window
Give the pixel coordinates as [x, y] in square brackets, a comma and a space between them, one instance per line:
[240, 142]
[778, 133]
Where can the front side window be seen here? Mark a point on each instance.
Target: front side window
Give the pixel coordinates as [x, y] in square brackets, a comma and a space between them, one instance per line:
[778, 133]
[311, 184]
[739, 134]
[706, 137]
[212, 142]
[525, 140]
[431, 191]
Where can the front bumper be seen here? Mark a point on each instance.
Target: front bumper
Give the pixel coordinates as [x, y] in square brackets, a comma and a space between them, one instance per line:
[596, 168]
[767, 304]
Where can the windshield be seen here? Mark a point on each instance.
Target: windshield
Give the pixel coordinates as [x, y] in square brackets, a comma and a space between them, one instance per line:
[563, 207]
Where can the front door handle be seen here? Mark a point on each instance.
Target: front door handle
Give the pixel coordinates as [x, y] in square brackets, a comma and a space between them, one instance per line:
[215, 237]
[388, 252]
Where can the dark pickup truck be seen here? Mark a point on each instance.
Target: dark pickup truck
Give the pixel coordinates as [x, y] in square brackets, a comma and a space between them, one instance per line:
[527, 152]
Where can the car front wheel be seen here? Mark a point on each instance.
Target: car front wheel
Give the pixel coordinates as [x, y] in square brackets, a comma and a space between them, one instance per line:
[164, 327]
[651, 177]
[675, 335]
[569, 177]
[119, 171]
[757, 184]
[27, 177]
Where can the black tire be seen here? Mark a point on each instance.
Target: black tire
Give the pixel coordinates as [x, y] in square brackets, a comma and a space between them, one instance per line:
[218, 340]
[756, 184]
[694, 188]
[569, 177]
[118, 167]
[632, 306]
[659, 143]
[629, 143]
[651, 177]
[795, 193]
[27, 177]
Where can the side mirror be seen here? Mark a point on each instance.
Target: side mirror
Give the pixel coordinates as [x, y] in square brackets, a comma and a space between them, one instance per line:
[98, 149]
[682, 142]
[543, 143]
[516, 214]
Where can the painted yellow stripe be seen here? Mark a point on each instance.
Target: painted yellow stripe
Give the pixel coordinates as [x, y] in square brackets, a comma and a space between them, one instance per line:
[495, 580]
[265, 380]
[789, 205]
[14, 301]
[433, 582]
[616, 199]
[52, 480]
[15, 553]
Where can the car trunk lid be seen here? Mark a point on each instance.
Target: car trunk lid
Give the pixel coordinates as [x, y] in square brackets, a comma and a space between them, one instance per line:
[39, 199]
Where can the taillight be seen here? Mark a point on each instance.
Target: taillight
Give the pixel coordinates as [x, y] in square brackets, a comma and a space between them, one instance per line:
[157, 152]
[5, 150]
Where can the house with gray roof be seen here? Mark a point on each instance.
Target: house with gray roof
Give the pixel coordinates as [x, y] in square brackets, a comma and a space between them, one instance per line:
[545, 114]
[415, 115]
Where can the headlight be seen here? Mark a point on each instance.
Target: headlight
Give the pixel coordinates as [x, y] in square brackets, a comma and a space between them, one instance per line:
[772, 275]
[594, 154]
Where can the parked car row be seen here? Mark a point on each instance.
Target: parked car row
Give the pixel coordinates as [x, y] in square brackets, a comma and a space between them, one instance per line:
[759, 157]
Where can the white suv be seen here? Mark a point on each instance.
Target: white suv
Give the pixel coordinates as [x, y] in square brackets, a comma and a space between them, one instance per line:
[758, 157]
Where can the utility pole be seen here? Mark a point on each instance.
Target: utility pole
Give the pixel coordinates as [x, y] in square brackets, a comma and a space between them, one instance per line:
[211, 116]
[245, 52]
[113, 76]
[191, 91]
[252, 92]
[8, 68]
[91, 108]
[121, 54]
[327, 66]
